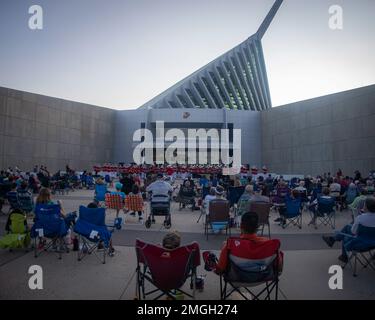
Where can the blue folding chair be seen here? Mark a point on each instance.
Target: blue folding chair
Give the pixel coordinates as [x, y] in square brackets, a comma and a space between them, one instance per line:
[100, 191]
[293, 213]
[49, 224]
[325, 212]
[362, 248]
[90, 182]
[93, 234]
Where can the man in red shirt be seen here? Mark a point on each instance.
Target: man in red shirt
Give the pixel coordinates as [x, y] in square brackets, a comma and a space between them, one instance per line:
[249, 247]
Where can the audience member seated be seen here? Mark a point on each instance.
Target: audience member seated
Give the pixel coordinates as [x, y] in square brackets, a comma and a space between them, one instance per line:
[219, 197]
[134, 202]
[244, 247]
[335, 189]
[186, 194]
[172, 240]
[45, 198]
[248, 193]
[203, 181]
[258, 197]
[358, 202]
[219, 194]
[211, 195]
[100, 181]
[117, 192]
[370, 187]
[301, 186]
[282, 209]
[302, 191]
[366, 219]
[316, 189]
[25, 198]
[12, 197]
[351, 192]
[111, 249]
[282, 191]
[324, 198]
[160, 187]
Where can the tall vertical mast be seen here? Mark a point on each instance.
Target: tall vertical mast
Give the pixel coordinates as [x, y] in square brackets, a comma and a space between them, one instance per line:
[268, 19]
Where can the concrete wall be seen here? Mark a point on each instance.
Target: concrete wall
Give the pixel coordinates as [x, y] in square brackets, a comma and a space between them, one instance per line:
[248, 121]
[321, 135]
[308, 137]
[36, 129]
[126, 123]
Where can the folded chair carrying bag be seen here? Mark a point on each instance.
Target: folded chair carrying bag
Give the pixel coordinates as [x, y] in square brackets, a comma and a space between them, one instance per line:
[18, 236]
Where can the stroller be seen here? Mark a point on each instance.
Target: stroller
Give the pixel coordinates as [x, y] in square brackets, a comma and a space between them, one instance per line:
[17, 233]
[160, 206]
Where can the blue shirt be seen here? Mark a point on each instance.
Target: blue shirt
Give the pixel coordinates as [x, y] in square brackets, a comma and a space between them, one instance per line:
[120, 193]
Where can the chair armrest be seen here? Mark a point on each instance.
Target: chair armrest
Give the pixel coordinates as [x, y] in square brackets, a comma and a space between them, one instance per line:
[346, 235]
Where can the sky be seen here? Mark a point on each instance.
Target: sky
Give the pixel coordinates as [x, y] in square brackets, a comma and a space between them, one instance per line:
[121, 53]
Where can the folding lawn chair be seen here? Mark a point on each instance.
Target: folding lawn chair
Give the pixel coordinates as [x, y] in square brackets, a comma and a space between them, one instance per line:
[49, 224]
[293, 213]
[362, 248]
[115, 202]
[262, 209]
[325, 213]
[260, 268]
[100, 192]
[134, 203]
[218, 217]
[167, 270]
[93, 234]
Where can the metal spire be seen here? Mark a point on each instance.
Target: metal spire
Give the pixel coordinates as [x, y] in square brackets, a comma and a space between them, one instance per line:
[267, 21]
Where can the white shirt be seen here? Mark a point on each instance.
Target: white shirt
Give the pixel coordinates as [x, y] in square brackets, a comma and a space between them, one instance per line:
[159, 188]
[335, 188]
[207, 200]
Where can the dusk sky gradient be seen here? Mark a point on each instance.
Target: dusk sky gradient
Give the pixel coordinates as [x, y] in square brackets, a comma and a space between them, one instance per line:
[122, 53]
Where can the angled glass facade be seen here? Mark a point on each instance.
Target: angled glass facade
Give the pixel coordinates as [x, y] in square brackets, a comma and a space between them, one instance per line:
[235, 80]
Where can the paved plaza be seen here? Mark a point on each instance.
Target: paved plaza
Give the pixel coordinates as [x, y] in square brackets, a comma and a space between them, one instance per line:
[305, 275]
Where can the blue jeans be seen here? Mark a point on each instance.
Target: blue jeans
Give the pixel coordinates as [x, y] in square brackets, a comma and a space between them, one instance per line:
[341, 237]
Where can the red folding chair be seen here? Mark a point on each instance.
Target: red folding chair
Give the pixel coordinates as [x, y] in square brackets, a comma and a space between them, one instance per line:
[167, 270]
[257, 272]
